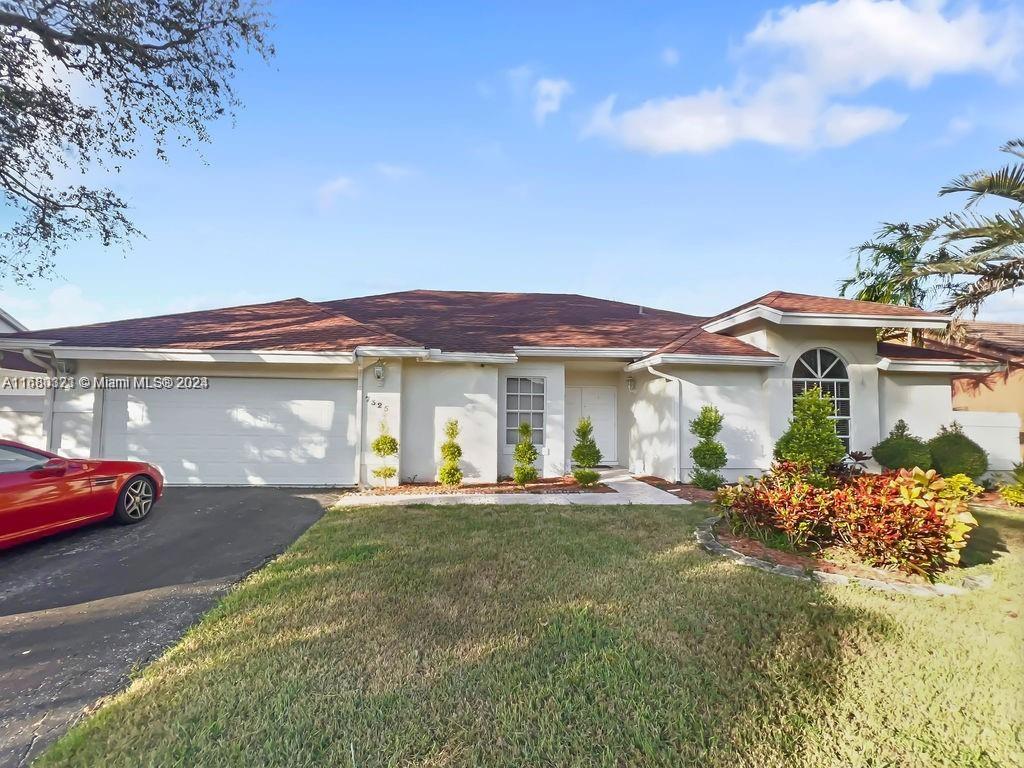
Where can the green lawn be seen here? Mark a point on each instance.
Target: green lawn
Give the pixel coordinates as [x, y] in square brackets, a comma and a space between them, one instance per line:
[571, 636]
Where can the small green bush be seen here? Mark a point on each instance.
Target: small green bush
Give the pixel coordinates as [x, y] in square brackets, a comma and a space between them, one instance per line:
[1013, 492]
[385, 445]
[586, 477]
[708, 454]
[811, 438]
[525, 455]
[961, 488]
[585, 453]
[449, 473]
[901, 450]
[954, 453]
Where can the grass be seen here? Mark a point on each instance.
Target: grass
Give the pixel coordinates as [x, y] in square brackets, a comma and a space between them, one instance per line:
[571, 636]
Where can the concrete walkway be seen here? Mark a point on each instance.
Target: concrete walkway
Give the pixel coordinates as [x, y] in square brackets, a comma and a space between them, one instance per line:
[628, 490]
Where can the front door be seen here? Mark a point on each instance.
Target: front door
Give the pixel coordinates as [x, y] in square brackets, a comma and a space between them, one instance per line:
[599, 403]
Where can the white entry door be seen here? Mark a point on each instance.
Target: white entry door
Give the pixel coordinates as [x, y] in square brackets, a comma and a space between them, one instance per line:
[599, 403]
[239, 431]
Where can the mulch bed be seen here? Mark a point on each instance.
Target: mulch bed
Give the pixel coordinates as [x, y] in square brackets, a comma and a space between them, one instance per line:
[682, 490]
[755, 548]
[565, 484]
[993, 499]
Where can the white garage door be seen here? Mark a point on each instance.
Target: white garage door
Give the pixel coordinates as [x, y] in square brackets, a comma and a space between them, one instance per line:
[238, 431]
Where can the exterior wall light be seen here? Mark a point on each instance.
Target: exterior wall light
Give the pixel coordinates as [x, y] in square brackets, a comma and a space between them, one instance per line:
[630, 384]
[378, 374]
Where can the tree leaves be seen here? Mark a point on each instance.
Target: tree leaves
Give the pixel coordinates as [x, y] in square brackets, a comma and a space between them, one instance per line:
[81, 83]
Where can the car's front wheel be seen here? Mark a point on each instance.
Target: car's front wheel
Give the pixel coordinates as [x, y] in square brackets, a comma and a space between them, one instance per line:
[135, 501]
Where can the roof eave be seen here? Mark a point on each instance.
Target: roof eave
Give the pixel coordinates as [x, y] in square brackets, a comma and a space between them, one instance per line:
[890, 365]
[755, 361]
[845, 320]
[293, 356]
[624, 353]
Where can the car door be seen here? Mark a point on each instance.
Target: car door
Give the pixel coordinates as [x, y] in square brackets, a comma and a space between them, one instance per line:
[39, 492]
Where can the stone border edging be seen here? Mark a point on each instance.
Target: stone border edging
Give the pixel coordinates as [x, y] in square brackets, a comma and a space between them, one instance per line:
[705, 536]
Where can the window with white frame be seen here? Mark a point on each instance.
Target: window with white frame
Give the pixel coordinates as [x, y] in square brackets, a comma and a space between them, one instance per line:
[824, 370]
[524, 402]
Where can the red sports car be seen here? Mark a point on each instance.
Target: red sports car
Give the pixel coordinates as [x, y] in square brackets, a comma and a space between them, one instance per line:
[42, 493]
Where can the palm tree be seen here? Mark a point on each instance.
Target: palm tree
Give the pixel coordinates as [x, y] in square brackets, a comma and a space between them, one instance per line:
[882, 265]
[961, 258]
[987, 250]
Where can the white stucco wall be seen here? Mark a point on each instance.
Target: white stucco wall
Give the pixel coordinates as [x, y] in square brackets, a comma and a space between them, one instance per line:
[433, 393]
[651, 425]
[742, 398]
[857, 347]
[552, 459]
[924, 401]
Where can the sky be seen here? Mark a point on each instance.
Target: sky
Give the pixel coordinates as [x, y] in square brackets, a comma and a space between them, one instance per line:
[681, 155]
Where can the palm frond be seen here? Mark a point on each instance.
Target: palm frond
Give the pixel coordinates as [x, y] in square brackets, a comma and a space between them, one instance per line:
[1007, 182]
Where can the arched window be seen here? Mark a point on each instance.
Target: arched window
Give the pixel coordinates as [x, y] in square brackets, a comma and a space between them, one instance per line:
[823, 369]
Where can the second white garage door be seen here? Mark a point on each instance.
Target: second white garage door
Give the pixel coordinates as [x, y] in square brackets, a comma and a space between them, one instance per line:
[240, 431]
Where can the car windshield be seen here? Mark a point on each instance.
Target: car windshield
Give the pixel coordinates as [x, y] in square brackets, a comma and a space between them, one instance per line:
[19, 459]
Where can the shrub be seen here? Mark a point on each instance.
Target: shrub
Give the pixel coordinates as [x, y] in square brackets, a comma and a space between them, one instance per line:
[449, 473]
[811, 438]
[708, 454]
[585, 453]
[954, 453]
[586, 477]
[899, 520]
[385, 445]
[1013, 492]
[901, 450]
[524, 455]
[961, 487]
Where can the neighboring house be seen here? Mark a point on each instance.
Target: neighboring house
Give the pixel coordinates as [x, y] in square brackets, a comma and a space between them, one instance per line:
[20, 407]
[1002, 390]
[293, 392]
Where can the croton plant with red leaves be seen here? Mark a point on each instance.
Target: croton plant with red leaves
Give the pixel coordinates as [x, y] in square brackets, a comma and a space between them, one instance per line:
[907, 520]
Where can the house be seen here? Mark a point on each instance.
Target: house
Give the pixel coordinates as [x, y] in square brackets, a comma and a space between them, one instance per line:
[293, 392]
[1002, 390]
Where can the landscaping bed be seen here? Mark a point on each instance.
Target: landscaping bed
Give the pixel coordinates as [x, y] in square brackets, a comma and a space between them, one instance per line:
[565, 484]
[685, 491]
[843, 564]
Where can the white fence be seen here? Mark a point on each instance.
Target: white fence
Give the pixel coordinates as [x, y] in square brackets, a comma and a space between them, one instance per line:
[997, 433]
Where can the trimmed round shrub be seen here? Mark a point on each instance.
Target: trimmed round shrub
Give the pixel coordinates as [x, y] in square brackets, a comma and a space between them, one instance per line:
[954, 453]
[903, 453]
[586, 477]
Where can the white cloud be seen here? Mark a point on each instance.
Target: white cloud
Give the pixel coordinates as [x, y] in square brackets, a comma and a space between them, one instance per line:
[802, 66]
[327, 194]
[548, 95]
[64, 305]
[956, 129]
[669, 56]
[393, 171]
[519, 78]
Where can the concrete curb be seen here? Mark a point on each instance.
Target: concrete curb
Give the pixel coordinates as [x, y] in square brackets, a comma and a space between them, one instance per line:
[705, 537]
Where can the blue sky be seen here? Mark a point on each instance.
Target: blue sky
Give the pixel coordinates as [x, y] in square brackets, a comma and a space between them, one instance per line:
[688, 156]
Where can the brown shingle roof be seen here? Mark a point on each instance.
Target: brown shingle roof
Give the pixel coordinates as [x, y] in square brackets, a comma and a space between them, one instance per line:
[453, 321]
[828, 305]
[294, 324]
[1007, 338]
[471, 321]
[697, 341]
[905, 352]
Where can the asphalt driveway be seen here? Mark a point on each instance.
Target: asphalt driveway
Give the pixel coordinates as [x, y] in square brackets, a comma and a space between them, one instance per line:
[80, 611]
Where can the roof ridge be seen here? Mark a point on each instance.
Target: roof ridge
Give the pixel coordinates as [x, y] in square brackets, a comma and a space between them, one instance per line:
[368, 326]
